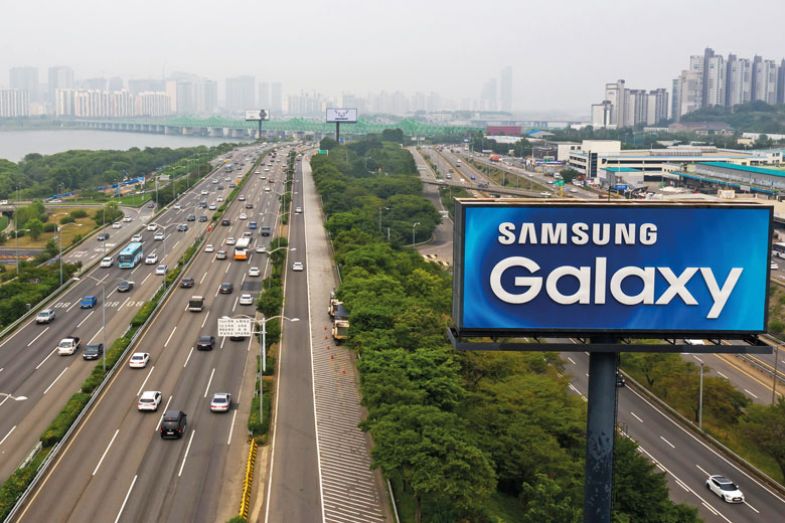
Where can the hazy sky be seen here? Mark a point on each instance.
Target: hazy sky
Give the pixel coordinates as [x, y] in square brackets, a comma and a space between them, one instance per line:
[562, 51]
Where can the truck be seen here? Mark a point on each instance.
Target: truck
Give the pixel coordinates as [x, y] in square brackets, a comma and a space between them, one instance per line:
[196, 304]
[68, 346]
[340, 330]
[495, 158]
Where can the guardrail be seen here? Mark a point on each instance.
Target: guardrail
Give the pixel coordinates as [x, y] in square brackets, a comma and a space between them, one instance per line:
[245, 501]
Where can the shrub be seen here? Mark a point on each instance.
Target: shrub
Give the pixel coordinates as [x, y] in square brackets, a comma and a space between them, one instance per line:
[50, 227]
[78, 213]
[65, 419]
[67, 219]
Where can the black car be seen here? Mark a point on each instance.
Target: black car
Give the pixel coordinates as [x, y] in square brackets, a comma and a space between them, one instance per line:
[203, 218]
[226, 288]
[620, 381]
[226, 222]
[205, 342]
[125, 286]
[249, 205]
[182, 227]
[102, 236]
[187, 283]
[189, 218]
[173, 424]
[93, 352]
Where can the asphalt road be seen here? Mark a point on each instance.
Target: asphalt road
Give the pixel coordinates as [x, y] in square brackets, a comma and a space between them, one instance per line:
[28, 364]
[116, 467]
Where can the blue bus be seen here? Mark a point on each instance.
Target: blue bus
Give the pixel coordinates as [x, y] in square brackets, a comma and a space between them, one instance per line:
[130, 255]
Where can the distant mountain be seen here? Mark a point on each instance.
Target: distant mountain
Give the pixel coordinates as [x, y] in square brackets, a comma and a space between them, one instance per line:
[754, 117]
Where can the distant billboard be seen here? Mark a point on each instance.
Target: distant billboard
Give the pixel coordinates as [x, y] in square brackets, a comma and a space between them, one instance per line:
[336, 115]
[526, 268]
[256, 115]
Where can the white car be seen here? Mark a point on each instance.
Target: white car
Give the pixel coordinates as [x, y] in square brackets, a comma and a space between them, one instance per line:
[298, 209]
[127, 219]
[241, 198]
[221, 402]
[297, 266]
[260, 249]
[266, 189]
[211, 207]
[136, 237]
[246, 299]
[727, 490]
[45, 316]
[177, 206]
[230, 240]
[242, 216]
[774, 266]
[152, 226]
[203, 193]
[151, 259]
[106, 261]
[219, 199]
[160, 270]
[149, 400]
[139, 360]
[159, 235]
[209, 248]
[117, 225]
[254, 271]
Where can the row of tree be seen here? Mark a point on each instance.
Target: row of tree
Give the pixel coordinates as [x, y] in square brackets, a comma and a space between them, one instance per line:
[464, 436]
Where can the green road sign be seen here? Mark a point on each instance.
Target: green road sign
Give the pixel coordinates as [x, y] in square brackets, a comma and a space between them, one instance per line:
[559, 183]
[323, 151]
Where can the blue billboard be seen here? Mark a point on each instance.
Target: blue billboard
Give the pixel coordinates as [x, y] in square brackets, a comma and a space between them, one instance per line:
[629, 268]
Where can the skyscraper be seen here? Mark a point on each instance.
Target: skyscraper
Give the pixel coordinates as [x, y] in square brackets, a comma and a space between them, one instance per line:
[263, 100]
[59, 77]
[505, 93]
[240, 95]
[488, 98]
[276, 99]
[25, 79]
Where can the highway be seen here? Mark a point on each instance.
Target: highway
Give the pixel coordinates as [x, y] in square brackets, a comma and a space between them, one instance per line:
[116, 467]
[28, 363]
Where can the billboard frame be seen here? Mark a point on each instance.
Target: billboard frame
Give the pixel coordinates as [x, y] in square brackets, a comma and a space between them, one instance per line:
[459, 335]
[333, 109]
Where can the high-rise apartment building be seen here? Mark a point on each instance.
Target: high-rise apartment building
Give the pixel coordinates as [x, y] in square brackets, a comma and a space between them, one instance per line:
[59, 77]
[90, 103]
[145, 85]
[505, 89]
[488, 99]
[192, 95]
[623, 107]
[14, 103]
[25, 79]
[240, 95]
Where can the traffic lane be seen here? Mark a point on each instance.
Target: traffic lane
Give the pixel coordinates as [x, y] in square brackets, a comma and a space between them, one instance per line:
[294, 490]
[732, 368]
[683, 456]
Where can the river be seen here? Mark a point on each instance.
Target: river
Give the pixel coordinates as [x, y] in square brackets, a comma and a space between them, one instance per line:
[14, 145]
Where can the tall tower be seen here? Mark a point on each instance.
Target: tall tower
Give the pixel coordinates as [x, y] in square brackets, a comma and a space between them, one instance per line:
[506, 89]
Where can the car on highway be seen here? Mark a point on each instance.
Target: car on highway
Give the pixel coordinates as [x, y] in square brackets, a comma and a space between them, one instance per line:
[177, 206]
[202, 218]
[221, 402]
[127, 219]
[254, 272]
[246, 299]
[102, 236]
[117, 225]
[151, 259]
[219, 199]
[152, 226]
[151, 205]
[68, 346]
[159, 235]
[160, 270]
[187, 282]
[93, 351]
[212, 207]
[243, 216]
[298, 209]
[727, 490]
[107, 261]
[125, 286]
[266, 189]
[209, 248]
[149, 400]
[205, 342]
[88, 302]
[249, 205]
[136, 237]
[260, 249]
[220, 254]
[230, 240]
[182, 227]
[189, 218]
[226, 288]
[241, 198]
[45, 316]
[252, 224]
[297, 266]
[226, 222]
[139, 360]
[774, 266]
[204, 192]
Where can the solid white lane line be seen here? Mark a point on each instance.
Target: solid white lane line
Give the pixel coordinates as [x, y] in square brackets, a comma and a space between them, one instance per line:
[158, 426]
[105, 452]
[204, 276]
[223, 340]
[145, 278]
[185, 456]
[722, 375]
[74, 304]
[39, 335]
[204, 321]
[571, 360]
[84, 320]
[128, 494]
[207, 388]
[145, 381]
[14, 428]
[234, 305]
[750, 393]
[636, 416]
[123, 304]
[227, 268]
[189, 356]
[671, 445]
[703, 470]
[231, 428]
[170, 336]
[44, 360]
[55, 381]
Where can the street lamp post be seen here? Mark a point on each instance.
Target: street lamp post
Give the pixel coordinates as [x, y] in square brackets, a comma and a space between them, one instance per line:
[263, 357]
[700, 399]
[414, 226]
[8, 396]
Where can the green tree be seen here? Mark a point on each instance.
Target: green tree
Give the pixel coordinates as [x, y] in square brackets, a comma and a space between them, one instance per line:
[765, 427]
[544, 501]
[35, 228]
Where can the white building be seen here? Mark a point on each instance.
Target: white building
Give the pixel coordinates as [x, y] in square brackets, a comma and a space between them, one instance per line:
[14, 103]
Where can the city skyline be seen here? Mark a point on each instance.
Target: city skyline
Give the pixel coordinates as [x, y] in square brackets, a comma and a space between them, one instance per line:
[556, 51]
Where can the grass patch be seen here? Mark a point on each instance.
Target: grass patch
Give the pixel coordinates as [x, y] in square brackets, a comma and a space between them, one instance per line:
[80, 227]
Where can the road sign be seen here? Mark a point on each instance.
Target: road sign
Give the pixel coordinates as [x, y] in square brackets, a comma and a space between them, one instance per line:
[235, 327]
[559, 183]
[323, 151]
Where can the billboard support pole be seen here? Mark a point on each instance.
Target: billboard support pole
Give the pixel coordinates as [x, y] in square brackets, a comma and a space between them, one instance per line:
[338, 132]
[600, 432]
